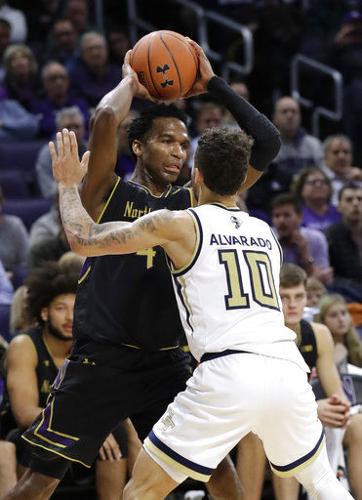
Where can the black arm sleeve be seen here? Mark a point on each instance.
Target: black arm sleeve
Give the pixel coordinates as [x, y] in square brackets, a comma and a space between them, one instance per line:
[266, 136]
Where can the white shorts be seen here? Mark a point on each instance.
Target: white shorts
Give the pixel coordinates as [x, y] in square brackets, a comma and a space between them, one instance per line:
[225, 399]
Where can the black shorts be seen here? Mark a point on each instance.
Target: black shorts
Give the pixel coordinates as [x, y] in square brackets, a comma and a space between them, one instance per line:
[96, 388]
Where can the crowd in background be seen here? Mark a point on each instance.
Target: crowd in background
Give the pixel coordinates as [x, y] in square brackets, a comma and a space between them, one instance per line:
[55, 66]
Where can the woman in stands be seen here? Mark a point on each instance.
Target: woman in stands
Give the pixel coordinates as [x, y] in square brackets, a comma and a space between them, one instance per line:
[348, 345]
[313, 189]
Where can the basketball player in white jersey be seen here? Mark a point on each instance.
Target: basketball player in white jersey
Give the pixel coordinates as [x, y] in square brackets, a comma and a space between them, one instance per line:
[225, 269]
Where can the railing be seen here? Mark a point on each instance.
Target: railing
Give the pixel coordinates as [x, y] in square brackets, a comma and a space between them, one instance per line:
[203, 17]
[335, 113]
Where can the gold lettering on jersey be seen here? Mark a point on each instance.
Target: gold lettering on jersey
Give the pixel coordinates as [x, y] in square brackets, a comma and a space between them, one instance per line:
[306, 348]
[248, 241]
[135, 213]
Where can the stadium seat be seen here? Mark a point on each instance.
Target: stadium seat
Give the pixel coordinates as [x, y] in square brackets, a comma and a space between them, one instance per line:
[12, 184]
[29, 210]
[20, 155]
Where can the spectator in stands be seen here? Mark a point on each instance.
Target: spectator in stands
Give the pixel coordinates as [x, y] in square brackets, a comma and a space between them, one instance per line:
[48, 249]
[315, 291]
[313, 189]
[21, 81]
[338, 163]
[299, 149]
[5, 31]
[56, 83]
[32, 362]
[48, 224]
[347, 349]
[63, 43]
[333, 312]
[118, 44]
[93, 76]
[209, 114]
[345, 244]
[303, 246]
[17, 20]
[316, 346]
[16, 123]
[77, 12]
[14, 241]
[72, 119]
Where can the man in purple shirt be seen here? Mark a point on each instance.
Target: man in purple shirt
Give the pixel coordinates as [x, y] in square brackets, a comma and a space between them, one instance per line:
[308, 248]
[55, 81]
[92, 76]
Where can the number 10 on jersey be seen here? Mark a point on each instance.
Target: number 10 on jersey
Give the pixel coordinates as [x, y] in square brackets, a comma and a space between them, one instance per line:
[262, 287]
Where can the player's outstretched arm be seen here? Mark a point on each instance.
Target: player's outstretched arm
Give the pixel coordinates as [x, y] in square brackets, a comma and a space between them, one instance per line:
[91, 239]
[111, 111]
[265, 134]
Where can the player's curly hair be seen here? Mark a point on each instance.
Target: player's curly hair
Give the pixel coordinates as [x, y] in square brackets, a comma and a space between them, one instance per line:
[223, 156]
[45, 283]
[140, 126]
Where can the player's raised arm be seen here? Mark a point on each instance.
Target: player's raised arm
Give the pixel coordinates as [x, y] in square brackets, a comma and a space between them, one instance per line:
[89, 238]
[110, 113]
[265, 134]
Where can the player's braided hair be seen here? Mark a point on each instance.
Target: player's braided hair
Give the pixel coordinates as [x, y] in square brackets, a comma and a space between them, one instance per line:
[222, 156]
[140, 126]
[47, 282]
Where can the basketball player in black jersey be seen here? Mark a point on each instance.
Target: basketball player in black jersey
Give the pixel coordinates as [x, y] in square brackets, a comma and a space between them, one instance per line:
[32, 363]
[315, 343]
[127, 360]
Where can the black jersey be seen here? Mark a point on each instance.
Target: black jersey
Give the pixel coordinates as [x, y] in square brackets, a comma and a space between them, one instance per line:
[46, 370]
[129, 299]
[308, 344]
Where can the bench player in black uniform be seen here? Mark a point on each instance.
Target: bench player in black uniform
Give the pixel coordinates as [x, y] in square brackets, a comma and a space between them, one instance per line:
[126, 361]
[32, 362]
[315, 343]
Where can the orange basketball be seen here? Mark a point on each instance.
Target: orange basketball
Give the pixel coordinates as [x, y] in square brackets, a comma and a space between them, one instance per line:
[165, 63]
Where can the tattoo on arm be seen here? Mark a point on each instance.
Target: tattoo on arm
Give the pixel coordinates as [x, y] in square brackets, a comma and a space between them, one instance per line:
[81, 230]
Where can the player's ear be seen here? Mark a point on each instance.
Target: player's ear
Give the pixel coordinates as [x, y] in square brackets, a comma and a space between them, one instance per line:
[137, 148]
[197, 176]
[44, 314]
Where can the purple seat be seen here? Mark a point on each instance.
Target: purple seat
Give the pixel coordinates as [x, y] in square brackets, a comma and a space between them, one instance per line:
[20, 155]
[28, 209]
[12, 184]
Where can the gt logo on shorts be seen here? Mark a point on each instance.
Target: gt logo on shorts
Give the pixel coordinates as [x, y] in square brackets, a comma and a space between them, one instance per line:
[167, 420]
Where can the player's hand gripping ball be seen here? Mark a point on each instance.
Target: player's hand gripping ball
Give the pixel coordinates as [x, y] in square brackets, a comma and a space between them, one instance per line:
[166, 64]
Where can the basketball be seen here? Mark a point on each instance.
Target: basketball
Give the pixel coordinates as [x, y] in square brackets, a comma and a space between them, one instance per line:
[165, 64]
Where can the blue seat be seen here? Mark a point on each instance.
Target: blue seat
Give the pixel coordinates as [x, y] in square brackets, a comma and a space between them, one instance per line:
[20, 155]
[12, 184]
[29, 209]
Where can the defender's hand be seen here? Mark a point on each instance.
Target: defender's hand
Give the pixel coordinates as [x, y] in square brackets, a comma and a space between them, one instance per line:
[67, 169]
[205, 72]
[139, 90]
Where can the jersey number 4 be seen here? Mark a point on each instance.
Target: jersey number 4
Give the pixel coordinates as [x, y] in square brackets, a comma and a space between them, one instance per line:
[261, 280]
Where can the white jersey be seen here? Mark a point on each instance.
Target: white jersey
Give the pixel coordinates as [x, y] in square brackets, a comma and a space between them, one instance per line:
[228, 296]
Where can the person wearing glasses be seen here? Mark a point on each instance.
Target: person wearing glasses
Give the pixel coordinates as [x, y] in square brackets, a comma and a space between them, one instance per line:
[313, 189]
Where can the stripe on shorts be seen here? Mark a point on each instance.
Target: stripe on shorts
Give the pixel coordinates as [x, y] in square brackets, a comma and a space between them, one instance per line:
[301, 463]
[180, 463]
